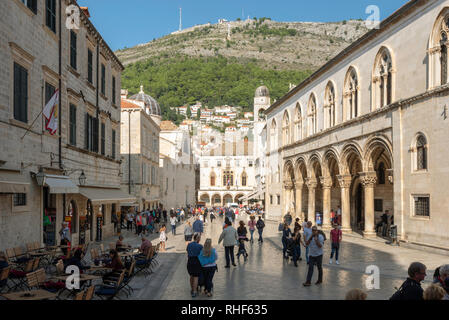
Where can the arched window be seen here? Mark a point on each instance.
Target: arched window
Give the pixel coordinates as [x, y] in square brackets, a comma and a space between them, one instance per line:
[421, 153]
[244, 177]
[438, 55]
[382, 79]
[228, 178]
[286, 129]
[298, 123]
[351, 95]
[312, 125]
[73, 214]
[212, 179]
[245, 146]
[273, 135]
[381, 173]
[329, 107]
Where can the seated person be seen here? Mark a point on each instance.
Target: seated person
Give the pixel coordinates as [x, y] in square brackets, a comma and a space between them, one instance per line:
[120, 246]
[116, 265]
[3, 264]
[76, 261]
[145, 248]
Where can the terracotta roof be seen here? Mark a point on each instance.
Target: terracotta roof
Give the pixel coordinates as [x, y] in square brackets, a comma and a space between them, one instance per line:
[128, 105]
[168, 125]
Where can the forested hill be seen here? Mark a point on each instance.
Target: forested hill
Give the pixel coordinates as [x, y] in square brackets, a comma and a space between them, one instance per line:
[203, 64]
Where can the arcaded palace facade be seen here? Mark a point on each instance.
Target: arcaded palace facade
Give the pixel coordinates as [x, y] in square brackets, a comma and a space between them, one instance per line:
[369, 132]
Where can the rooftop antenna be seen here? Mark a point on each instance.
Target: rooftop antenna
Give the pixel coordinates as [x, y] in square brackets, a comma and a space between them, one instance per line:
[180, 19]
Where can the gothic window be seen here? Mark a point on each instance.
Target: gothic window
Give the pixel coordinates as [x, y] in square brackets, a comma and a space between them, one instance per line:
[228, 178]
[443, 58]
[329, 107]
[351, 95]
[421, 153]
[244, 177]
[438, 55]
[273, 135]
[212, 179]
[286, 129]
[298, 122]
[382, 79]
[312, 115]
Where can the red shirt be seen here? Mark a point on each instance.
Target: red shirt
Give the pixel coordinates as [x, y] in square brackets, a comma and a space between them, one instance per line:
[335, 235]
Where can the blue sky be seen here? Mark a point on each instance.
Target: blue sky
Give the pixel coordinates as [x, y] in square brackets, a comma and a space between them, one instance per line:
[131, 22]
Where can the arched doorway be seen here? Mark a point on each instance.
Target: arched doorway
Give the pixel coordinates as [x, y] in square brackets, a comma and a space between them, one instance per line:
[216, 200]
[301, 189]
[227, 199]
[358, 219]
[205, 198]
[315, 181]
[238, 197]
[331, 171]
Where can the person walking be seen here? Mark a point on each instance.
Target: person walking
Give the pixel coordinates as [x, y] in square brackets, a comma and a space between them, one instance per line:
[188, 232]
[173, 221]
[288, 219]
[242, 232]
[336, 236]
[307, 234]
[411, 288]
[164, 213]
[129, 221]
[65, 236]
[208, 257]
[139, 223]
[297, 242]
[230, 238]
[315, 244]
[252, 227]
[286, 235]
[260, 225]
[441, 278]
[194, 249]
[162, 237]
[297, 224]
[198, 226]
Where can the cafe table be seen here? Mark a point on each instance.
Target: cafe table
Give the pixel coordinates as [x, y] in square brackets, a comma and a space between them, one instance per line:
[30, 295]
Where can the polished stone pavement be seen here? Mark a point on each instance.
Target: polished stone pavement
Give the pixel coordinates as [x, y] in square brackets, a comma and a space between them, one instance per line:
[267, 276]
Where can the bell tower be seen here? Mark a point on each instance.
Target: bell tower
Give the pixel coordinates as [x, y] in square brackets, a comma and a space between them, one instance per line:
[262, 102]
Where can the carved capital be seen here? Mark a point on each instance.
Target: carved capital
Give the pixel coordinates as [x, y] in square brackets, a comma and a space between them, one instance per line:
[344, 180]
[326, 182]
[299, 185]
[288, 185]
[368, 179]
[311, 183]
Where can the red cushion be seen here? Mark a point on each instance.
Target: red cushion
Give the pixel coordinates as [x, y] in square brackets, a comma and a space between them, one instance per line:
[18, 273]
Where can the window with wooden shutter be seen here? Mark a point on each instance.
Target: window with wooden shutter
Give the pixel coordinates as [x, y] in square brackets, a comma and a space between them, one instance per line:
[73, 37]
[89, 66]
[50, 11]
[95, 125]
[103, 79]
[113, 144]
[103, 139]
[20, 93]
[72, 132]
[113, 90]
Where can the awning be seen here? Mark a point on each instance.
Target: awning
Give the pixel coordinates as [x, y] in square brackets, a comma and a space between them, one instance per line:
[60, 184]
[106, 195]
[13, 182]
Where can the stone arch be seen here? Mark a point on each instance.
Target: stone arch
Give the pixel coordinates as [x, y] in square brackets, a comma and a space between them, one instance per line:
[330, 179]
[237, 197]
[351, 94]
[312, 126]
[216, 199]
[350, 153]
[301, 189]
[313, 159]
[438, 50]
[372, 148]
[330, 154]
[298, 126]
[383, 79]
[227, 198]
[205, 198]
[286, 128]
[289, 173]
[330, 110]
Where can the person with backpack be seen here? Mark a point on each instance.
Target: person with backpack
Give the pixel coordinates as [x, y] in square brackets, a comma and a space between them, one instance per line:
[260, 225]
[411, 288]
[315, 244]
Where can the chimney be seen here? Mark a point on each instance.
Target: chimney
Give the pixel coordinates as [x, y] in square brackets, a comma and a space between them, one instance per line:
[141, 89]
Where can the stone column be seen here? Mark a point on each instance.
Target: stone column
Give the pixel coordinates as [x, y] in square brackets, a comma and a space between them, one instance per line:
[288, 189]
[369, 180]
[345, 183]
[326, 182]
[298, 202]
[311, 185]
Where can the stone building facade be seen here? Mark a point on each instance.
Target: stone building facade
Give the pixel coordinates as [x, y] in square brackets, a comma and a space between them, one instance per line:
[368, 131]
[80, 161]
[139, 149]
[177, 167]
[227, 170]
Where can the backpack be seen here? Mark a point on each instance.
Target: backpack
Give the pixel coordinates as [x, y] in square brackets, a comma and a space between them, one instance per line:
[260, 224]
[323, 234]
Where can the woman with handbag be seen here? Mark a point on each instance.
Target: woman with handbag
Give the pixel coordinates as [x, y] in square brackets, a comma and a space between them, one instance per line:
[208, 258]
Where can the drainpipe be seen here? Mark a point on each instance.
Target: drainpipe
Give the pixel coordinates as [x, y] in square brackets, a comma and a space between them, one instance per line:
[129, 150]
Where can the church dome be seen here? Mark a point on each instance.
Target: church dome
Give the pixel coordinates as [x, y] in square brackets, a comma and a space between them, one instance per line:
[151, 105]
[262, 91]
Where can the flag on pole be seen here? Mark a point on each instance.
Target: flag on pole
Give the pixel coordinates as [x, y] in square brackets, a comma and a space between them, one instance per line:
[50, 113]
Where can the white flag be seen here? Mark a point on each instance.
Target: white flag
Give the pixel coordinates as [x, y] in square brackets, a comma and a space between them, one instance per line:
[50, 113]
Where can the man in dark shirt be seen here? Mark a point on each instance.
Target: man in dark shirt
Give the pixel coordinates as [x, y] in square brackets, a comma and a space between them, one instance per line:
[411, 288]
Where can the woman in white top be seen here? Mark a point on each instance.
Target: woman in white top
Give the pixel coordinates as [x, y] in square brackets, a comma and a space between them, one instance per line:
[162, 237]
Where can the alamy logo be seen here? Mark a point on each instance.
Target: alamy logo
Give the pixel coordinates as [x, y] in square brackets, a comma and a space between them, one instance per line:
[73, 17]
[373, 280]
[373, 20]
[72, 281]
